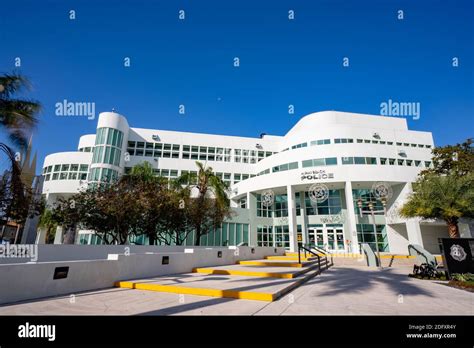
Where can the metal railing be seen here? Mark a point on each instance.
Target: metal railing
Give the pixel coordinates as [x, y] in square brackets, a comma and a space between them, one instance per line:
[324, 251]
[307, 249]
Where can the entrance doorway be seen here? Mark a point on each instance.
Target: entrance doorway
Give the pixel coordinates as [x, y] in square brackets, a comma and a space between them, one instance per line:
[331, 238]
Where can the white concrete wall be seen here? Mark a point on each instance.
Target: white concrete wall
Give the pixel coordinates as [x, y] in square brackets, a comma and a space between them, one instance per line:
[430, 235]
[398, 239]
[64, 252]
[28, 281]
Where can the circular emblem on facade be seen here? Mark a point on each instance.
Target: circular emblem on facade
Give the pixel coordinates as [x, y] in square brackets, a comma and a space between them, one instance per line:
[267, 198]
[382, 190]
[457, 252]
[318, 193]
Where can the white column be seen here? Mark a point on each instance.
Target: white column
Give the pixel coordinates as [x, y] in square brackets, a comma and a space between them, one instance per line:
[414, 232]
[351, 217]
[58, 237]
[252, 208]
[304, 225]
[292, 219]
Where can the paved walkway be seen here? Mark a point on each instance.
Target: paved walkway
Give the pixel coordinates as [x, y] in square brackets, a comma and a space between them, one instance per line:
[340, 290]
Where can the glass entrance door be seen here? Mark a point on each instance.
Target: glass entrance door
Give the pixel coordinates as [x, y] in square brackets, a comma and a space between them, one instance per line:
[317, 237]
[331, 238]
[335, 238]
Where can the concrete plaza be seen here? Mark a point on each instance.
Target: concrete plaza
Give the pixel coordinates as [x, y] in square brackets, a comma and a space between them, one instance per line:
[341, 290]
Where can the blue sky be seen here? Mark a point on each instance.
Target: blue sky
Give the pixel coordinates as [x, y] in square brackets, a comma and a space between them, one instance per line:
[282, 62]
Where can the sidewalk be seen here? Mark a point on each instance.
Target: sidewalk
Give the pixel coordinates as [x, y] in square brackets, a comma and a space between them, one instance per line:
[342, 290]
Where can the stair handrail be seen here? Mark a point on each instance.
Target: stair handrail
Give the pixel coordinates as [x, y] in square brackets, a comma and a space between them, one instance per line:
[370, 255]
[300, 247]
[420, 251]
[321, 250]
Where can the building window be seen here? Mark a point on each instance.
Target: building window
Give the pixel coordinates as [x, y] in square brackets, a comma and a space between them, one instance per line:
[331, 206]
[281, 205]
[317, 162]
[367, 197]
[320, 142]
[359, 160]
[285, 167]
[264, 235]
[366, 234]
[343, 141]
[262, 210]
[282, 236]
[299, 146]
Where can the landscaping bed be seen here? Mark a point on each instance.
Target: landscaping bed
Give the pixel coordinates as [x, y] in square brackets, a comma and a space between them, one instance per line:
[462, 281]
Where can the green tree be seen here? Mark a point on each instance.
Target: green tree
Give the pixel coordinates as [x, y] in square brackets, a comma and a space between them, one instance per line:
[453, 159]
[151, 196]
[209, 205]
[447, 197]
[47, 222]
[67, 213]
[18, 116]
[446, 190]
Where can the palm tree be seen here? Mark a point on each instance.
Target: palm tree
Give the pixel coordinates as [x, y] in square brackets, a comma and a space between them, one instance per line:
[447, 197]
[12, 191]
[17, 116]
[211, 204]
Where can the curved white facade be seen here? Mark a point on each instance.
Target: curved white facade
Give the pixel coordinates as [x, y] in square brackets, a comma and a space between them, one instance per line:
[346, 152]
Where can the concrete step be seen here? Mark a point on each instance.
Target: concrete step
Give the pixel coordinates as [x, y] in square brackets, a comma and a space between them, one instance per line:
[292, 258]
[257, 271]
[269, 263]
[239, 287]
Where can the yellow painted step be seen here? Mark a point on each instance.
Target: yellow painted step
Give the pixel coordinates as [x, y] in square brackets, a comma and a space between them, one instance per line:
[247, 295]
[250, 273]
[272, 264]
[354, 255]
[290, 258]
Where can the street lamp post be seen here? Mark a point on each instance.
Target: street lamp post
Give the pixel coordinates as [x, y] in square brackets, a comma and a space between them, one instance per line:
[372, 212]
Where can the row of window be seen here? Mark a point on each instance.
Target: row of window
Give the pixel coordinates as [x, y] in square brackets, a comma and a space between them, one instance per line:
[66, 168]
[106, 154]
[299, 146]
[194, 152]
[160, 150]
[273, 236]
[279, 208]
[167, 173]
[329, 161]
[65, 176]
[103, 175]
[284, 167]
[85, 149]
[206, 153]
[109, 136]
[227, 234]
[405, 162]
[359, 141]
[366, 234]
[72, 171]
[174, 173]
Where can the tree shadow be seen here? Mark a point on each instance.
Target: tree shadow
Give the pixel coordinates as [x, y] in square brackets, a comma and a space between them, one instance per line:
[347, 280]
[189, 307]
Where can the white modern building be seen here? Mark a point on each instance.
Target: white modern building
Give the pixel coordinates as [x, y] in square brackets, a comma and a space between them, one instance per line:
[272, 178]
